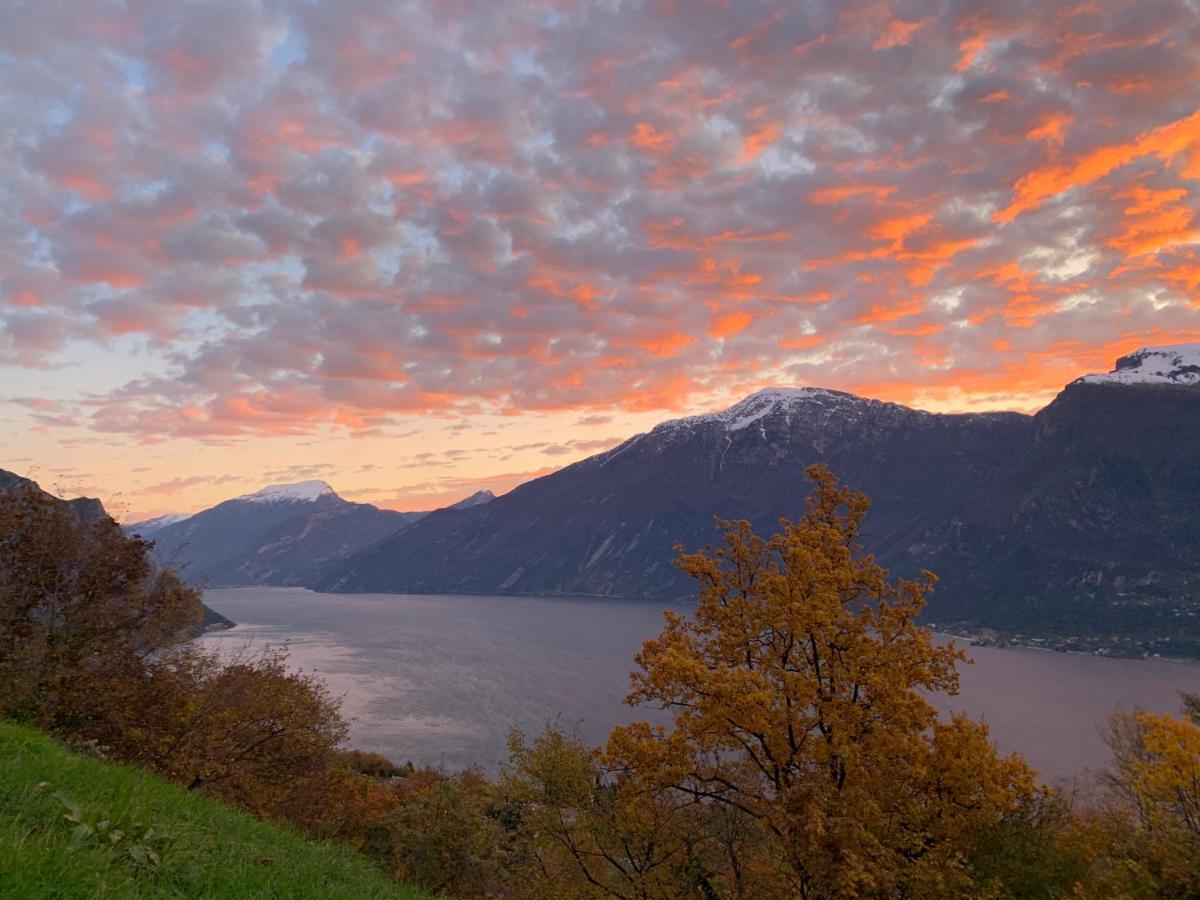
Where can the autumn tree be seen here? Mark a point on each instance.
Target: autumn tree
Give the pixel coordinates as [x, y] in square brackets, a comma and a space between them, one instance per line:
[577, 828]
[93, 647]
[796, 690]
[81, 608]
[1154, 784]
[441, 835]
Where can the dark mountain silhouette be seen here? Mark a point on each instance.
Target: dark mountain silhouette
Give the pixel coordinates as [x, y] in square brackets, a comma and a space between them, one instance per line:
[282, 535]
[1080, 521]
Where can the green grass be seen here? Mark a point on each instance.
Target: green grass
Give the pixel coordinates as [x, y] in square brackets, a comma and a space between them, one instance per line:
[114, 832]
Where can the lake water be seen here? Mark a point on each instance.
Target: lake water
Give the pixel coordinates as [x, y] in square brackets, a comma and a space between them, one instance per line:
[440, 680]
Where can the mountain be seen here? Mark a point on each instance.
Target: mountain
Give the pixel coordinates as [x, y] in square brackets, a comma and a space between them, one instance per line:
[607, 526]
[1091, 530]
[1153, 365]
[280, 535]
[1077, 524]
[476, 499]
[147, 528]
[88, 511]
[85, 509]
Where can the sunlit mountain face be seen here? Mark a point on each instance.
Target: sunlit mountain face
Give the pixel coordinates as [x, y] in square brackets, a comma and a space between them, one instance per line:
[419, 250]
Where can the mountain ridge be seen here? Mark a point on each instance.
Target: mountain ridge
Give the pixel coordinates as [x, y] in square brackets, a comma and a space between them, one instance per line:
[992, 502]
[282, 535]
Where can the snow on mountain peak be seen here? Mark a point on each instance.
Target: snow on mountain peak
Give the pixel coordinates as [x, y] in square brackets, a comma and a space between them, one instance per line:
[1178, 364]
[160, 521]
[476, 499]
[762, 403]
[746, 412]
[301, 491]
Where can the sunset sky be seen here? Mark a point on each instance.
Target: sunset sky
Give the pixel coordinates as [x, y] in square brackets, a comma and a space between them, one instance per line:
[418, 249]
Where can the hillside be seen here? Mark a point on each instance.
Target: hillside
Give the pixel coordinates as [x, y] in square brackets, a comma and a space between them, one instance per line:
[91, 513]
[206, 850]
[607, 525]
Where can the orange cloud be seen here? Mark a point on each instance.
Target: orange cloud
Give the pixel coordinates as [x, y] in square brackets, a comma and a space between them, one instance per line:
[844, 192]
[730, 324]
[650, 140]
[1155, 220]
[897, 33]
[898, 228]
[1051, 128]
[1166, 142]
[758, 140]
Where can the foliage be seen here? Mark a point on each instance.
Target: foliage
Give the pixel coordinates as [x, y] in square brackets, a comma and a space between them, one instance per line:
[1033, 852]
[440, 835]
[802, 758]
[114, 830]
[211, 852]
[1154, 786]
[374, 764]
[248, 730]
[81, 607]
[579, 830]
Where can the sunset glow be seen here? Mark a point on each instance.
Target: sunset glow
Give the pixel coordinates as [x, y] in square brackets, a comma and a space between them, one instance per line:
[419, 249]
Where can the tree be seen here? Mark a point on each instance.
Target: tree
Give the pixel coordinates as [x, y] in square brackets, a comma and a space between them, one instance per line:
[1155, 783]
[246, 729]
[795, 690]
[93, 647]
[579, 829]
[439, 835]
[81, 608]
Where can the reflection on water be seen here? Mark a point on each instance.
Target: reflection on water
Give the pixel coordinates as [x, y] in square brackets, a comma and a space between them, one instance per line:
[441, 679]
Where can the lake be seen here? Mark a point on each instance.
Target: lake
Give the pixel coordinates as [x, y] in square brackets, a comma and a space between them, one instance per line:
[440, 680]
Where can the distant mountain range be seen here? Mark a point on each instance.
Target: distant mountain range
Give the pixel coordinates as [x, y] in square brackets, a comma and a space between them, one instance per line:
[283, 535]
[1079, 525]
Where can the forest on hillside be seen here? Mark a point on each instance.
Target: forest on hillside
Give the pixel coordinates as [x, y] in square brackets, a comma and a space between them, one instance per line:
[801, 757]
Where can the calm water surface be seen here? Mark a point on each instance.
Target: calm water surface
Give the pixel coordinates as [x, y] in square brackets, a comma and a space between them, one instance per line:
[440, 680]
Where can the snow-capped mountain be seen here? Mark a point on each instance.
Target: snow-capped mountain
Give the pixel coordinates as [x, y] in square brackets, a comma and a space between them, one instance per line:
[281, 534]
[1079, 520]
[300, 492]
[476, 499]
[1154, 365]
[608, 525]
[149, 527]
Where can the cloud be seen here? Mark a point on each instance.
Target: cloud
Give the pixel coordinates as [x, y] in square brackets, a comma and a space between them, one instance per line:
[328, 215]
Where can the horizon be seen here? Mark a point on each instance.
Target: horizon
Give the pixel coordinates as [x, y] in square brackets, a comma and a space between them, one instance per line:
[269, 487]
[426, 250]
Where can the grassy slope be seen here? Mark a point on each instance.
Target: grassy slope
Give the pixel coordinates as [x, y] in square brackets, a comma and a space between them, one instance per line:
[211, 851]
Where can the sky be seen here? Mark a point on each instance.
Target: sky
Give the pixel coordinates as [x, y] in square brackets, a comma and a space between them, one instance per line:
[417, 249]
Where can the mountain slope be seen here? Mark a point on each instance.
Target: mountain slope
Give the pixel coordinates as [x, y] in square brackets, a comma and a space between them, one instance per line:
[1078, 522]
[85, 509]
[608, 525]
[1093, 528]
[205, 849]
[280, 535]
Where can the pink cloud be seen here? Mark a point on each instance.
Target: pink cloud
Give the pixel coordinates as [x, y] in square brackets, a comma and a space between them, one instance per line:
[324, 216]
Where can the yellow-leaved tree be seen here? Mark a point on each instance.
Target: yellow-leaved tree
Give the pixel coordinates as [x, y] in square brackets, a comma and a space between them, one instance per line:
[802, 758]
[796, 689]
[1148, 841]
